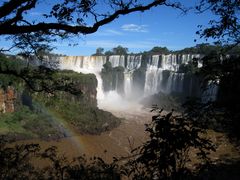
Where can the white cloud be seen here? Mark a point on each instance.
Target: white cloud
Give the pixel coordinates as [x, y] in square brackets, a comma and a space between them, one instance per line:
[134, 28]
[113, 32]
[108, 32]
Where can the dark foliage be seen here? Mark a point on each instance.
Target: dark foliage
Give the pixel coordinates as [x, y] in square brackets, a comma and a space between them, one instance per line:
[17, 163]
[166, 154]
[62, 19]
[159, 50]
[113, 78]
[99, 52]
[222, 71]
[118, 50]
[225, 28]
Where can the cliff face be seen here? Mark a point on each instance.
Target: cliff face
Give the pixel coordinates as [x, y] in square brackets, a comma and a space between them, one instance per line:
[7, 100]
[11, 99]
[78, 109]
[84, 84]
[89, 94]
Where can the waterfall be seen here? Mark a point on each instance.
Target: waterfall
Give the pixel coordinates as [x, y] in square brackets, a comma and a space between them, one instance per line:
[153, 75]
[160, 72]
[128, 84]
[117, 60]
[133, 62]
[86, 64]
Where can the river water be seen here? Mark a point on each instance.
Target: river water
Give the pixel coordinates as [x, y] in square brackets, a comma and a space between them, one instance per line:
[119, 141]
[115, 143]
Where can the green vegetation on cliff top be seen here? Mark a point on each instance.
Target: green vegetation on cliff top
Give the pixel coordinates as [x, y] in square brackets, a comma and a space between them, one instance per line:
[40, 116]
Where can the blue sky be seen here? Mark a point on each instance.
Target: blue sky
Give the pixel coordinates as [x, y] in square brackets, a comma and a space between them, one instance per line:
[142, 31]
[161, 26]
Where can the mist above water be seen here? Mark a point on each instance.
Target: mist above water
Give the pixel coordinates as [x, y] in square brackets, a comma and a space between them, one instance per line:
[112, 101]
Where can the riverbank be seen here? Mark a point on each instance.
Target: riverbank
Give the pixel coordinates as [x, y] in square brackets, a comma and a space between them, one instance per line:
[129, 134]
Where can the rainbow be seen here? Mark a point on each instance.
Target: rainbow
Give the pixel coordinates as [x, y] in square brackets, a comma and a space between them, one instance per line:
[57, 121]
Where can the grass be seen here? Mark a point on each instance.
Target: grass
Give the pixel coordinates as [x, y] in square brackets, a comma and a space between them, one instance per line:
[27, 124]
[42, 120]
[13, 123]
[84, 118]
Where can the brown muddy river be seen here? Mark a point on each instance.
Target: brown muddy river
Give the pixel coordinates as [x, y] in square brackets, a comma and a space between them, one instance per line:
[114, 143]
[119, 141]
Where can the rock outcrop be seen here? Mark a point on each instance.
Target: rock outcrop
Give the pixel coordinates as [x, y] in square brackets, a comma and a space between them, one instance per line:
[7, 99]
[85, 86]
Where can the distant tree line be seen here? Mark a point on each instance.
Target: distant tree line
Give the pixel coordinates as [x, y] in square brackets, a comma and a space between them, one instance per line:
[119, 50]
[204, 49]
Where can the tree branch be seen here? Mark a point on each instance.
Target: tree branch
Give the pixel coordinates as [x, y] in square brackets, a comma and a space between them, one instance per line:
[18, 17]
[47, 27]
[9, 7]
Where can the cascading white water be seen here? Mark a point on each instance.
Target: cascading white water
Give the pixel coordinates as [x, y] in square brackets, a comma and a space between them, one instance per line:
[133, 62]
[169, 62]
[161, 72]
[175, 82]
[153, 76]
[86, 64]
[116, 60]
[155, 73]
[128, 84]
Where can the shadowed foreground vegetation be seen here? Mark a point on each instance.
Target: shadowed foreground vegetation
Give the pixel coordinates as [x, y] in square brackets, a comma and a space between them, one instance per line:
[176, 148]
[167, 154]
